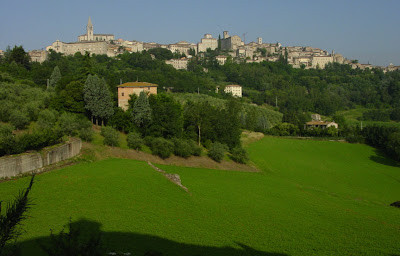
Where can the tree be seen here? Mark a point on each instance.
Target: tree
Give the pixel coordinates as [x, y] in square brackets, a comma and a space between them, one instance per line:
[142, 111]
[18, 55]
[13, 216]
[97, 98]
[217, 151]
[111, 136]
[55, 77]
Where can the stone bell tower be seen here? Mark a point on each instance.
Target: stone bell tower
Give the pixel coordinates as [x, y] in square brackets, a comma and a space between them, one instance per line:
[89, 30]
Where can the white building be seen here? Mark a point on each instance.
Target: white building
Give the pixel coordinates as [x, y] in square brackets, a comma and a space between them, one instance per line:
[221, 59]
[234, 89]
[178, 63]
[208, 42]
[182, 47]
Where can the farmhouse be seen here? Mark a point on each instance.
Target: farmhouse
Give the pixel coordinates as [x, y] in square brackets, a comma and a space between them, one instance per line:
[127, 89]
[235, 89]
[320, 124]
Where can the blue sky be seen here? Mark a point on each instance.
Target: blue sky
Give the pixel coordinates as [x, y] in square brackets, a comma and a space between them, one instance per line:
[364, 30]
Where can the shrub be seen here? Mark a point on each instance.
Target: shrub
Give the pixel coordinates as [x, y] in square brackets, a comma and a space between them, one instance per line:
[182, 148]
[134, 141]
[19, 119]
[217, 151]
[69, 124]
[111, 136]
[86, 134]
[195, 149]
[239, 155]
[47, 118]
[162, 147]
[148, 141]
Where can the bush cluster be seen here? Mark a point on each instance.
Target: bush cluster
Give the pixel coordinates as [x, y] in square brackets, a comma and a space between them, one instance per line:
[217, 151]
[134, 141]
[239, 155]
[111, 136]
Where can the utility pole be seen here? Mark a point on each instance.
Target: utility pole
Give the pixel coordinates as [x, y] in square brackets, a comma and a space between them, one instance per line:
[198, 90]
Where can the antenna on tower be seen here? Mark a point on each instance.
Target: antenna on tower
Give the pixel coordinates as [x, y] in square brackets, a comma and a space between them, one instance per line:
[244, 37]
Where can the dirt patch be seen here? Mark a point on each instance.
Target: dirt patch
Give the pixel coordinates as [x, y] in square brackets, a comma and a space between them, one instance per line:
[104, 152]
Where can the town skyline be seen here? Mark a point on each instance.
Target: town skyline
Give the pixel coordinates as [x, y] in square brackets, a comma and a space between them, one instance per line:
[370, 40]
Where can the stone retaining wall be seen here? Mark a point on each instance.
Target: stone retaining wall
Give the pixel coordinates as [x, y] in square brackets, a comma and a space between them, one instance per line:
[18, 164]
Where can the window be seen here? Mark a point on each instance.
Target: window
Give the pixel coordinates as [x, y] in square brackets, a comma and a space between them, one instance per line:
[123, 94]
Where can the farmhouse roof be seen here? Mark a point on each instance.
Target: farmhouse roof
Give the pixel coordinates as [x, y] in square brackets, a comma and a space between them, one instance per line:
[233, 85]
[137, 84]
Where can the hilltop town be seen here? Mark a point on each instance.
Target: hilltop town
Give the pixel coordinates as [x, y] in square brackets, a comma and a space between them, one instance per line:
[231, 47]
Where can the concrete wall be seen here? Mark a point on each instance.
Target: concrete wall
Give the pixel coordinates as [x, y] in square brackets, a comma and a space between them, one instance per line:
[27, 162]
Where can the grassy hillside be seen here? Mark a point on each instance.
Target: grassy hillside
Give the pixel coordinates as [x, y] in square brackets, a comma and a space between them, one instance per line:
[312, 198]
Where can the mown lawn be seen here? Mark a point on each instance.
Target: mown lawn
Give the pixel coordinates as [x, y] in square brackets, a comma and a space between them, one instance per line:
[311, 198]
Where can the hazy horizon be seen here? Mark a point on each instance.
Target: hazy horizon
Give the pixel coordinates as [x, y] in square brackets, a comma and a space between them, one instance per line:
[362, 30]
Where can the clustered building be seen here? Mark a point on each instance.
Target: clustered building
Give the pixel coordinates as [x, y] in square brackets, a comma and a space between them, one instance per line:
[232, 47]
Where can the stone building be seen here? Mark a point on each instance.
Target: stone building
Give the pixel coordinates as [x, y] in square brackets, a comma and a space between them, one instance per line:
[178, 63]
[182, 47]
[93, 47]
[38, 55]
[321, 61]
[90, 42]
[230, 42]
[90, 36]
[125, 90]
[208, 42]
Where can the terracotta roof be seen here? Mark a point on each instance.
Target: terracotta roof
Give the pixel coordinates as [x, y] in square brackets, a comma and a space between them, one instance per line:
[137, 84]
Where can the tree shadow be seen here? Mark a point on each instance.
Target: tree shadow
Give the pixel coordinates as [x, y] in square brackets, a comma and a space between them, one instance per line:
[383, 159]
[140, 244]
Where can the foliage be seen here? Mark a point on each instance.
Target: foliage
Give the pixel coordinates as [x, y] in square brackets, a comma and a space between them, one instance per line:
[47, 118]
[166, 116]
[134, 141]
[217, 151]
[15, 213]
[239, 155]
[86, 134]
[97, 98]
[19, 56]
[376, 115]
[19, 119]
[141, 111]
[161, 53]
[55, 77]
[182, 148]
[161, 147]
[111, 136]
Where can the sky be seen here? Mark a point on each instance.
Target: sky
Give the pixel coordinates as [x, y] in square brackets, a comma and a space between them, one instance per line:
[358, 29]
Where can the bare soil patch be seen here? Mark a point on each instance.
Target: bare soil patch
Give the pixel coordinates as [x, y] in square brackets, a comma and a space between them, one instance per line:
[103, 152]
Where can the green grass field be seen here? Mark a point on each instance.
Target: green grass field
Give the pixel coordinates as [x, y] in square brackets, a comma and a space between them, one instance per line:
[311, 198]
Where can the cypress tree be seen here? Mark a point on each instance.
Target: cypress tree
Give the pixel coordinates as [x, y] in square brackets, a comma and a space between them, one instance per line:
[55, 77]
[97, 98]
[142, 111]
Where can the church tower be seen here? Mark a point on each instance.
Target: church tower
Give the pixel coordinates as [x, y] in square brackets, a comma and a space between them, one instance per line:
[89, 31]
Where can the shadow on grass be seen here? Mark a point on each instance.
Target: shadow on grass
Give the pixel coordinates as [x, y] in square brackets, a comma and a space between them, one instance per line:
[383, 159]
[139, 244]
